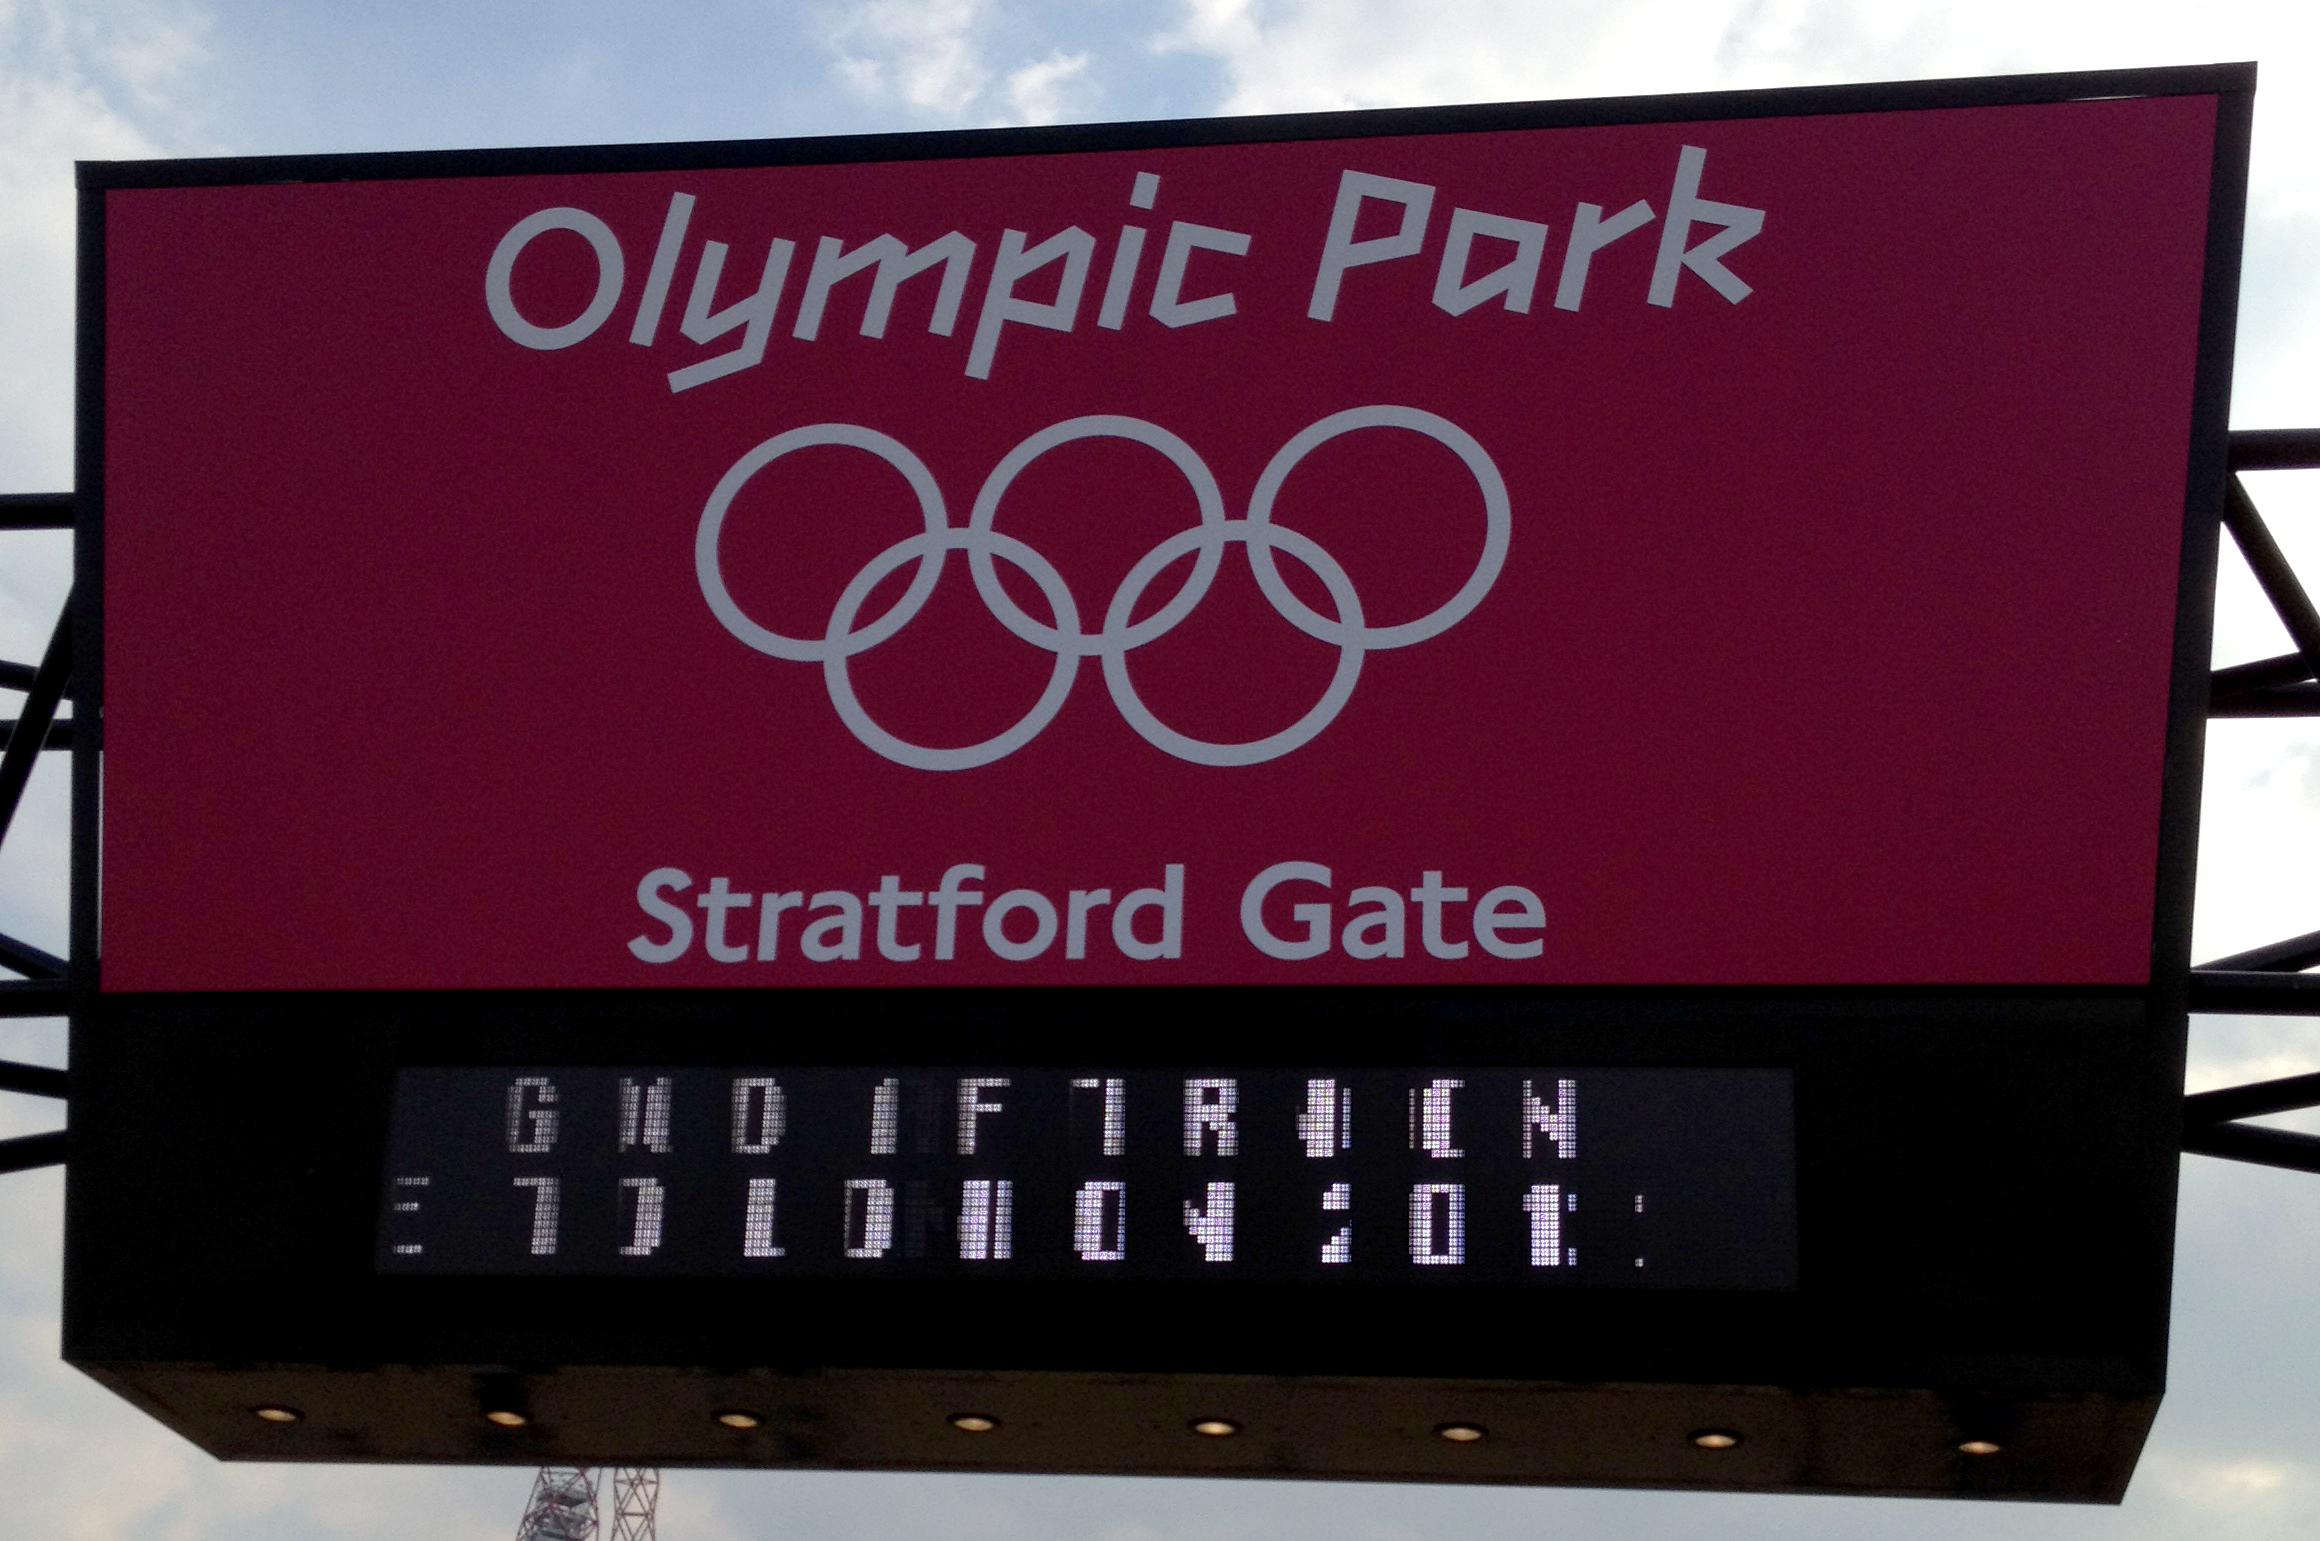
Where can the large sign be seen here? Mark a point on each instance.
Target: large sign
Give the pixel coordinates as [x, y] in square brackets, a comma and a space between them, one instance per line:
[1250, 722]
[1714, 552]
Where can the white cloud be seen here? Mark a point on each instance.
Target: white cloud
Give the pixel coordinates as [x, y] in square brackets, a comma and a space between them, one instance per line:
[1303, 54]
[922, 53]
[2244, 1496]
[940, 59]
[1045, 90]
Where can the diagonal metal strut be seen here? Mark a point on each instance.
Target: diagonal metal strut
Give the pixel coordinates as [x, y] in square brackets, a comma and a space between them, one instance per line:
[32, 1150]
[31, 730]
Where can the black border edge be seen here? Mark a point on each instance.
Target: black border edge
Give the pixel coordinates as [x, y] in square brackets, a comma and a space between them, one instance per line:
[86, 689]
[1970, 91]
[2208, 472]
[87, 684]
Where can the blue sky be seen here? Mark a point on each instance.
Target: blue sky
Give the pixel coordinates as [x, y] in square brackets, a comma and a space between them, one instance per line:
[2233, 1455]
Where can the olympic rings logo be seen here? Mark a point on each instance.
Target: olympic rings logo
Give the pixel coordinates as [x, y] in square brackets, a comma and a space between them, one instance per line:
[847, 636]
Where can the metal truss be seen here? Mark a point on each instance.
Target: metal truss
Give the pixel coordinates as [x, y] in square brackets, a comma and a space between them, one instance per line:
[636, 1502]
[2269, 980]
[42, 988]
[562, 1506]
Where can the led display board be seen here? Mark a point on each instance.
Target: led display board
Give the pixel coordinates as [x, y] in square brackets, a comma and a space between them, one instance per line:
[778, 1173]
[1518, 768]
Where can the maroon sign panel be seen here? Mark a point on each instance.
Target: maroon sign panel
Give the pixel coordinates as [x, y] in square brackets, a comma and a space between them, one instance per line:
[1725, 552]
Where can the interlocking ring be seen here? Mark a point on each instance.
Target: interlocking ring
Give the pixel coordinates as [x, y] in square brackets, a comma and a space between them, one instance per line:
[1348, 631]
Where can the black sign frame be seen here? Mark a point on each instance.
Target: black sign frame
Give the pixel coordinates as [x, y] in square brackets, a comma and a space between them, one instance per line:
[1987, 1175]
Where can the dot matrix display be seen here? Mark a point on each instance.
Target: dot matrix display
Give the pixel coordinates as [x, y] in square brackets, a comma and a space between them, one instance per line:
[1596, 1178]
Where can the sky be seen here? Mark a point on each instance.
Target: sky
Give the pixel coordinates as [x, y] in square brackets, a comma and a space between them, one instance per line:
[2236, 1452]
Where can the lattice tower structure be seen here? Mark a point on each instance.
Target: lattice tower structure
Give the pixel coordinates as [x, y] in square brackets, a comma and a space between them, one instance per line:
[636, 1499]
[562, 1506]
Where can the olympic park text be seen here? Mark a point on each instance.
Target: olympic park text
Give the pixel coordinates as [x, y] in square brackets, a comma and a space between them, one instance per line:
[1062, 263]
[1290, 911]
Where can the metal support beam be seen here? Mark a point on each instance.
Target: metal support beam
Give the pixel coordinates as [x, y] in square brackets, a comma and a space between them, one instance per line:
[33, 1080]
[60, 734]
[36, 510]
[2263, 674]
[40, 704]
[34, 997]
[2254, 992]
[2301, 700]
[2275, 449]
[2291, 956]
[30, 961]
[2256, 689]
[2253, 1100]
[2269, 687]
[2262, 1147]
[2272, 571]
[32, 1150]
